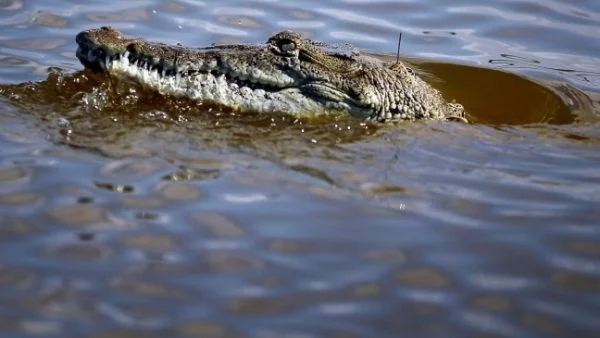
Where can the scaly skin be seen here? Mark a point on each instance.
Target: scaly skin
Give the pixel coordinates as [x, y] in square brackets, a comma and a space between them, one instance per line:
[288, 73]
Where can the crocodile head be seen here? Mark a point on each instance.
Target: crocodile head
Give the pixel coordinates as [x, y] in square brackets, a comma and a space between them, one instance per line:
[288, 73]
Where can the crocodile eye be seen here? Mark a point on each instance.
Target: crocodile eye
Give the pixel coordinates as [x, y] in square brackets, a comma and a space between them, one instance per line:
[287, 47]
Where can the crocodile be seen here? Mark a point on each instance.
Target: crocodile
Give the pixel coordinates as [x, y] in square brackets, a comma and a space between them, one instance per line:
[289, 73]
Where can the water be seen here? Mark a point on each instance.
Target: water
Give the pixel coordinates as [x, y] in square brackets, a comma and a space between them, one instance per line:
[126, 214]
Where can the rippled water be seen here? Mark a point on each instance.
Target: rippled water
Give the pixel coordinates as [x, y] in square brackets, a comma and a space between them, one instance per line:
[123, 214]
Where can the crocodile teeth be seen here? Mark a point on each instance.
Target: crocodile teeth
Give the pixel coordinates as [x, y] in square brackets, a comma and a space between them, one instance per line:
[240, 88]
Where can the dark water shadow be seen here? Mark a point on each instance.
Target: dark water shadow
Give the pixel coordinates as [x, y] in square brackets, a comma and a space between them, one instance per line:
[500, 97]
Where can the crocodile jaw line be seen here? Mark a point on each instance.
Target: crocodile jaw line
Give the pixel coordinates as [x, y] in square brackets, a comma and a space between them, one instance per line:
[233, 88]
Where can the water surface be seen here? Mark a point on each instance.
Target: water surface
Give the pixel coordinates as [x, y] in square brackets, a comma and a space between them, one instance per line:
[127, 214]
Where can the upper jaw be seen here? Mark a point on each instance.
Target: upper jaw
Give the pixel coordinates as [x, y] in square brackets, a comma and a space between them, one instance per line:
[236, 62]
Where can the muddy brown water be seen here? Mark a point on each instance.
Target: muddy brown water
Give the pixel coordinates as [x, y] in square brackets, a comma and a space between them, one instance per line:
[124, 214]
